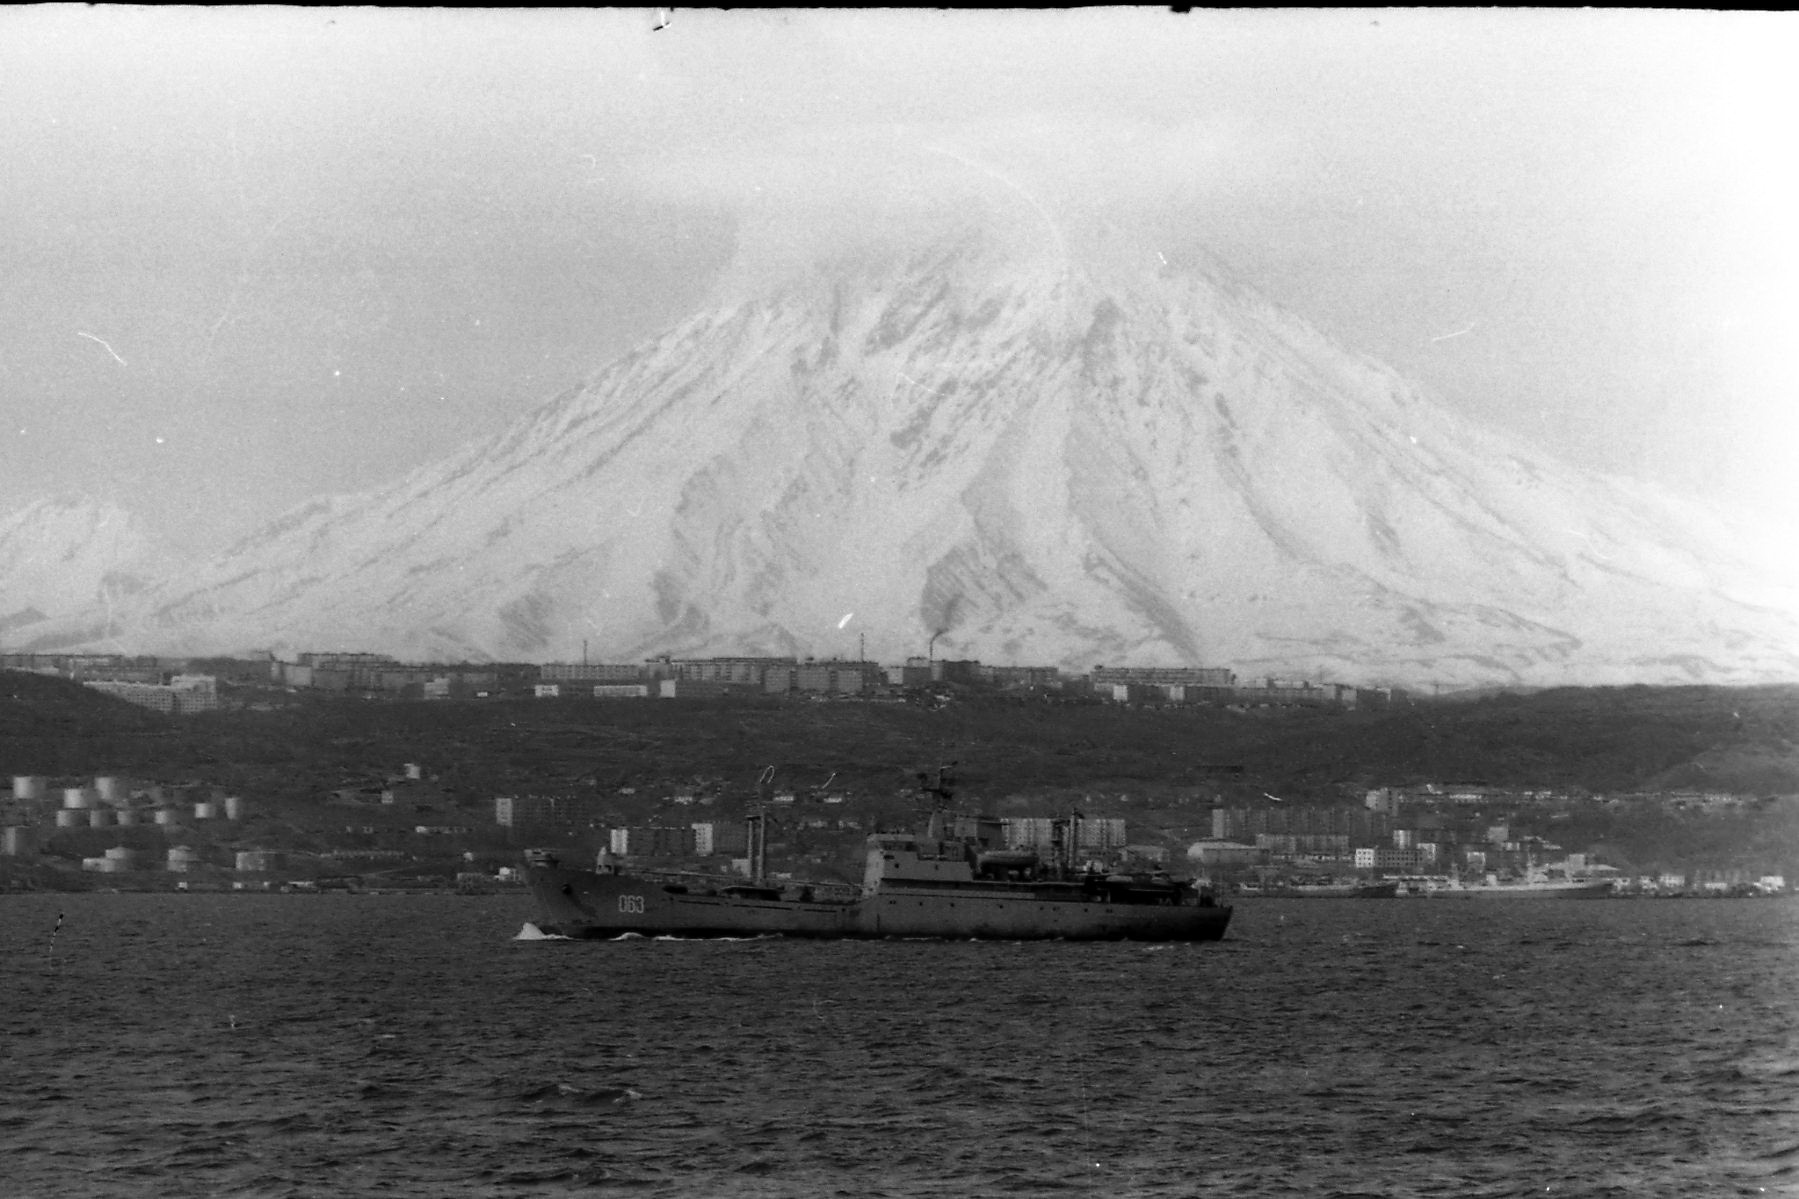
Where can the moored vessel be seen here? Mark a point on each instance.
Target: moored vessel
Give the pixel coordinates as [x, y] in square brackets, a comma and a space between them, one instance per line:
[1537, 883]
[953, 879]
[1317, 888]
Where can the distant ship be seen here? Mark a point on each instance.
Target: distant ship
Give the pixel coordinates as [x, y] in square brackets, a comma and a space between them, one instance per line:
[1316, 888]
[954, 879]
[1536, 884]
[1346, 890]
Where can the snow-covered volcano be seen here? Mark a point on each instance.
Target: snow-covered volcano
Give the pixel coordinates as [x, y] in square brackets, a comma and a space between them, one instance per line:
[71, 554]
[1058, 458]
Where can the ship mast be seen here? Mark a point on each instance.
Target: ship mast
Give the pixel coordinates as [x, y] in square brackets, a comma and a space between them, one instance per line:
[757, 823]
[941, 791]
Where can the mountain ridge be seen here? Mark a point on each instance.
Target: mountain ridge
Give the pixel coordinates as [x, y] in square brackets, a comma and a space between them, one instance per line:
[1016, 454]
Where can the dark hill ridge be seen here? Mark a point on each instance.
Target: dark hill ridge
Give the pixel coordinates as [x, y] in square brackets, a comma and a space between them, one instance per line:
[1743, 740]
[34, 705]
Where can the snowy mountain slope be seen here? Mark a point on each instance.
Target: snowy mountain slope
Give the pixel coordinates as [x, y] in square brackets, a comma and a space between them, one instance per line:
[1042, 458]
[71, 554]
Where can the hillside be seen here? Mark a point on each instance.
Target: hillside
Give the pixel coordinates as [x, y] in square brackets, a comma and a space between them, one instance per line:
[1599, 739]
[52, 726]
[1160, 768]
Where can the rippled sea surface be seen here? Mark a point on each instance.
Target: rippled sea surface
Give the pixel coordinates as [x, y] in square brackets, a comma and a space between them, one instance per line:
[339, 1045]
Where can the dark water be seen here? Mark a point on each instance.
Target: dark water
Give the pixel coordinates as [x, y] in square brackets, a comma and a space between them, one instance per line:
[363, 1045]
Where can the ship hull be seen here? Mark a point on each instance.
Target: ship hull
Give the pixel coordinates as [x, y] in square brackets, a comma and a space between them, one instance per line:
[589, 904]
[1598, 890]
[1337, 891]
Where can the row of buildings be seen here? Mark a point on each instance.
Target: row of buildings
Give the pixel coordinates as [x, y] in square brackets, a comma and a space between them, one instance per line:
[670, 677]
[1445, 800]
[182, 695]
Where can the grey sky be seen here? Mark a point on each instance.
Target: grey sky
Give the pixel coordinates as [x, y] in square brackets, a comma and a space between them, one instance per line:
[253, 255]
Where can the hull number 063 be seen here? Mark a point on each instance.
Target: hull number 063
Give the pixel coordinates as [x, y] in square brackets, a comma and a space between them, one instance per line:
[631, 904]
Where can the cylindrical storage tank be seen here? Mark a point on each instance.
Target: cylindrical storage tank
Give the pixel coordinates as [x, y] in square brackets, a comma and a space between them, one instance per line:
[155, 795]
[109, 787]
[127, 817]
[77, 798]
[180, 858]
[28, 786]
[251, 860]
[414, 770]
[109, 865]
[93, 863]
[99, 817]
[234, 807]
[205, 811]
[123, 853]
[167, 816]
[70, 818]
[18, 841]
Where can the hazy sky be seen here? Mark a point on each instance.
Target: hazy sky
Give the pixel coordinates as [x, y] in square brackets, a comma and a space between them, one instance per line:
[252, 255]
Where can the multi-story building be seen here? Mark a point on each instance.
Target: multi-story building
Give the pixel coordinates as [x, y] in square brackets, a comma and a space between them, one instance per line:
[1010, 677]
[1134, 693]
[596, 672]
[184, 693]
[1386, 857]
[720, 837]
[744, 672]
[1284, 692]
[1099, 832]
[1092, 834]
[145, 695]
[336, 661]
[654, 842]
[1164, 676]
[195, 692]
[621, 690]
[1383, 800]
[549, 812]
[1306, 845]
[693, 688]
[1025, 832]
[955, 670]
[836, 677]
[121, 669]
[1243, 824]
[1197, 693]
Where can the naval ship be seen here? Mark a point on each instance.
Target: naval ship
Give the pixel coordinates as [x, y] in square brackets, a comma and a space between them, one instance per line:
[953, 879]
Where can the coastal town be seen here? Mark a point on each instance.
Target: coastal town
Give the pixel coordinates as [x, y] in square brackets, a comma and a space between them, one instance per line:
[406, 824]
[191, 684]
